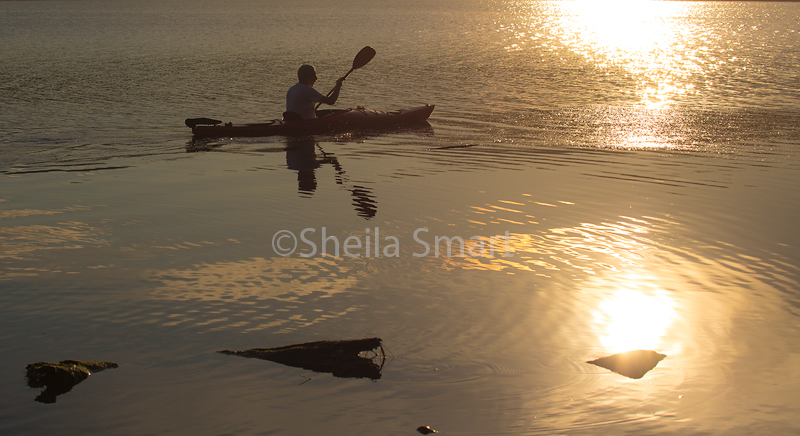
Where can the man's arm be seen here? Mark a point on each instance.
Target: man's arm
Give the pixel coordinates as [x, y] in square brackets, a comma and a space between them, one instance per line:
[335, 94]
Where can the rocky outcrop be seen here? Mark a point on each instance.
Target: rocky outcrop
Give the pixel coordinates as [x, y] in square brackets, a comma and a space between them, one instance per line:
[348, 358]
[634, 364]
[59, 378]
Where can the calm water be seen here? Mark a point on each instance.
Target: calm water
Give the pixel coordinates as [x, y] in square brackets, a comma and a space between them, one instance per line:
[635, 164]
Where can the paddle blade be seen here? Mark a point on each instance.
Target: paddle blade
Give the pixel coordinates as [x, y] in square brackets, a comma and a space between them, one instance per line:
[363, 57]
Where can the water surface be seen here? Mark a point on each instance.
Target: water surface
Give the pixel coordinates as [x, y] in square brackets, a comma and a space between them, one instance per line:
[642, 163]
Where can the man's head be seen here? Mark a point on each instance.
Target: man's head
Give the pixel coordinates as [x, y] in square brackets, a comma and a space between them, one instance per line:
[307, 74]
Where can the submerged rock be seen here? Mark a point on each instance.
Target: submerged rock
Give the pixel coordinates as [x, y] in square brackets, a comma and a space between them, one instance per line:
[340, 358]
[424, 429]
[634, 364]
[59, 378]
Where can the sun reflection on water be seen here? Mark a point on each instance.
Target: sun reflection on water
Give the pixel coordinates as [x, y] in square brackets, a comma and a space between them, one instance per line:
[634, 320]
[647, 44]
[645, 59]
[644, 38]
[588, 248]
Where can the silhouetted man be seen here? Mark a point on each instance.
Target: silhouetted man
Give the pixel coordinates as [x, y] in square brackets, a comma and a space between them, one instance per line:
[301, 98]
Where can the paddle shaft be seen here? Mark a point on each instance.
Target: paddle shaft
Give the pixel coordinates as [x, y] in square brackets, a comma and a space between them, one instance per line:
[362, 58]
[334, 88]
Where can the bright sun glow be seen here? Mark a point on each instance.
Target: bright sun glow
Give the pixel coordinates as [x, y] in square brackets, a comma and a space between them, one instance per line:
[634, 320]
[619, 25]
[639, 36]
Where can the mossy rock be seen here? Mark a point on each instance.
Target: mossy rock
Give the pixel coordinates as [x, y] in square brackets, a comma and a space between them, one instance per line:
[59, 378]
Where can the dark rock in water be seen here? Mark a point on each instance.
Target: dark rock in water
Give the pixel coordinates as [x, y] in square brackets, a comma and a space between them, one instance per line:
[59, 378]
[634, 364]
[424, 429]
[340, 358]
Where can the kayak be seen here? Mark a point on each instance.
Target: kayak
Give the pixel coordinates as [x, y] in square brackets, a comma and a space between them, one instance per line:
[335, 121]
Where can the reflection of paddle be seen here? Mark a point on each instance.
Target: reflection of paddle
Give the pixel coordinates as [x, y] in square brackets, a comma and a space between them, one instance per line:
[364, 202]
[362, 58]
[363, 198]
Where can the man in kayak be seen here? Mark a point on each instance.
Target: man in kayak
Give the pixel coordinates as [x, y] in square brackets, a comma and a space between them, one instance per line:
[301, 98]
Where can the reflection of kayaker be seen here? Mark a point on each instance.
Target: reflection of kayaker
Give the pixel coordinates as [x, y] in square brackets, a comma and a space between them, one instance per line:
[301, 156]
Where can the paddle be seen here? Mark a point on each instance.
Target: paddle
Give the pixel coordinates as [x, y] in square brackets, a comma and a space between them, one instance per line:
[362, 58]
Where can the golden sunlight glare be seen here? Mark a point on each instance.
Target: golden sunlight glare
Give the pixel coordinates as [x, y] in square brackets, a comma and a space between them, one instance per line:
[634, 320]
[640, 36]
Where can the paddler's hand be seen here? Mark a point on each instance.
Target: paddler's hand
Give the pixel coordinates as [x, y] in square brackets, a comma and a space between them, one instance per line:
[334, 95]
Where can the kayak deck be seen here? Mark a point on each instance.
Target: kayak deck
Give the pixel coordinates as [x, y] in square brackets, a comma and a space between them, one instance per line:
[346, 120]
